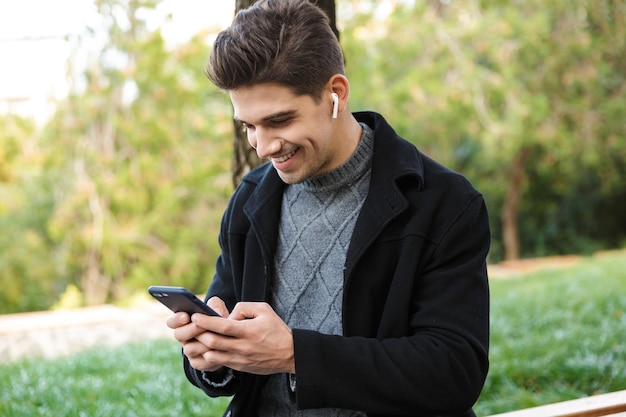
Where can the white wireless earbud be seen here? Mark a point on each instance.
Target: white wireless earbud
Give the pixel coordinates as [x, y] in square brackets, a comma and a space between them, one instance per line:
[335, 104]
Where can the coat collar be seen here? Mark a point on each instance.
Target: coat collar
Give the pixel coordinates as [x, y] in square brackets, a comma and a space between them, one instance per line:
[394, 159]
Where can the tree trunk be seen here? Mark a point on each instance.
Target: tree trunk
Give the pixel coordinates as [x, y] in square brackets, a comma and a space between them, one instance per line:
[244, 157]
[510, 208]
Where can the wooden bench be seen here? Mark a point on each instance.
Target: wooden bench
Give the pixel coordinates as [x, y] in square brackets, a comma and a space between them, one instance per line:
[612, 404]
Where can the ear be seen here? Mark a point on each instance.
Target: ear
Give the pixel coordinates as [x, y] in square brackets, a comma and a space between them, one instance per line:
[339, 85]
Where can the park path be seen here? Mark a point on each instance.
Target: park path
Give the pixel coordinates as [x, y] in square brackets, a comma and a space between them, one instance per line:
[51, 334]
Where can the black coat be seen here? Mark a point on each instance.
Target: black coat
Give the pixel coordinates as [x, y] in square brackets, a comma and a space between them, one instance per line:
[416, 297]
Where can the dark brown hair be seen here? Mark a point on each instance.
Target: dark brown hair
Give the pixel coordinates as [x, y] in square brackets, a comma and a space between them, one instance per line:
[289, 42]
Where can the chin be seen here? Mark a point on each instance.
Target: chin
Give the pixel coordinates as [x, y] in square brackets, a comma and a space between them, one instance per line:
[291, 178]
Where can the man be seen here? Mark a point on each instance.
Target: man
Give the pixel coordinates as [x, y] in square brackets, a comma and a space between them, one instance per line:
[352, 279]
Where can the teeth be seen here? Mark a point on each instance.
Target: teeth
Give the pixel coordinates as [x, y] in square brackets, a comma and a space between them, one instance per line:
[284, 157]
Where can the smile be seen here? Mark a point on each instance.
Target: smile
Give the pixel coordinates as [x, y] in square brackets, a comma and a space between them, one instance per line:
[284, 157]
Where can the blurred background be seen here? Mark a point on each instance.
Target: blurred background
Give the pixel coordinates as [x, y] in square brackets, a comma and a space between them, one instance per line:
[116, 151]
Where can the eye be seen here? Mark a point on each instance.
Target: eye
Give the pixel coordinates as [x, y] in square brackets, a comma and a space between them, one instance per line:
[281, 122]
[246, 127]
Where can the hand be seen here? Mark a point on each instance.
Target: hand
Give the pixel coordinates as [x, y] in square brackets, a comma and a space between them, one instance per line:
[254, 339]
[186, 332]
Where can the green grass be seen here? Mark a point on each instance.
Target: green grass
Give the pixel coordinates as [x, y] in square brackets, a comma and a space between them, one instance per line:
[556, 335]
[133, 380]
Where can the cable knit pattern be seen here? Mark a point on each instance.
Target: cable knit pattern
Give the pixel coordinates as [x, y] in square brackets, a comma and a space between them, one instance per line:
[317, 220]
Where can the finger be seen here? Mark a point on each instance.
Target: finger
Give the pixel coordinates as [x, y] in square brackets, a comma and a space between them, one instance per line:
[234, 327]
[213, 324]
[187, 332]
[202, 358]
[195, 353]
[200, 364]
[194, 348]
[218, 305]
[218, 342]
[205, 363]
[177, 320]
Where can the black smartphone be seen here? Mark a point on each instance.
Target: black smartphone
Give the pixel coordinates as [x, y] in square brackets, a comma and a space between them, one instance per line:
[180, 299]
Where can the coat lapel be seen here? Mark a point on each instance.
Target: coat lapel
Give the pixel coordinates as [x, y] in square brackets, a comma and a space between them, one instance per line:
[385, 201]
[263, 212]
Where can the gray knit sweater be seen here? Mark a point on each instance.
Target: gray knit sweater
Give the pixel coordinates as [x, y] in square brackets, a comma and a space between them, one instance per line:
[317, 220]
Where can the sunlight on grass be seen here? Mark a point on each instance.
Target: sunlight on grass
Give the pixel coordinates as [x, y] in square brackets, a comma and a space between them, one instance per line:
[557, 335]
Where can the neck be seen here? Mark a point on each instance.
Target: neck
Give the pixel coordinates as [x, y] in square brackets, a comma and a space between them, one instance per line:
[348, 173]
[348, 132]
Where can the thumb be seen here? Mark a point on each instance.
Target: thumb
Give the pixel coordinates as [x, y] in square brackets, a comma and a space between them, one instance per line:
[218, 305]
[248, 310]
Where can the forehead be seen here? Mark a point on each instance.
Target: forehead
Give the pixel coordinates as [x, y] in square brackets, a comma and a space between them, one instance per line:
[254, 103]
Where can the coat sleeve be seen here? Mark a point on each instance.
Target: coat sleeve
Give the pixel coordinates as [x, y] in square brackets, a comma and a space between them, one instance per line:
[440, 364]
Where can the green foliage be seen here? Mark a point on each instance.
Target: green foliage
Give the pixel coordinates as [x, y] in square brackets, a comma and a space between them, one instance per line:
[143, 379]
[26, 261]
[557, 335]
[478, 83]
[146, 180]
[125, 186]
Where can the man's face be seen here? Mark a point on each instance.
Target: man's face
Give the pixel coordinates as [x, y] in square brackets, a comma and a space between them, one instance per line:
[294, 132]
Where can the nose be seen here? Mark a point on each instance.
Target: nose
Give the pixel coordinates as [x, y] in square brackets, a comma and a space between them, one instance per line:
[264, 142]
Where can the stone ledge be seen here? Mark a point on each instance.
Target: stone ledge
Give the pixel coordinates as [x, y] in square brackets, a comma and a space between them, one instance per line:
[58, 333]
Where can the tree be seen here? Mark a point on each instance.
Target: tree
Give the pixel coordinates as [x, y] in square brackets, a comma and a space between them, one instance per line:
[125, 187]
[26, 250]
[524, 98]
[141, 185]
[244, 157]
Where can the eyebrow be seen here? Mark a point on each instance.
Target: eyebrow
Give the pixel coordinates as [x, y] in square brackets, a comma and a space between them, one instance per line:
[269, 117]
